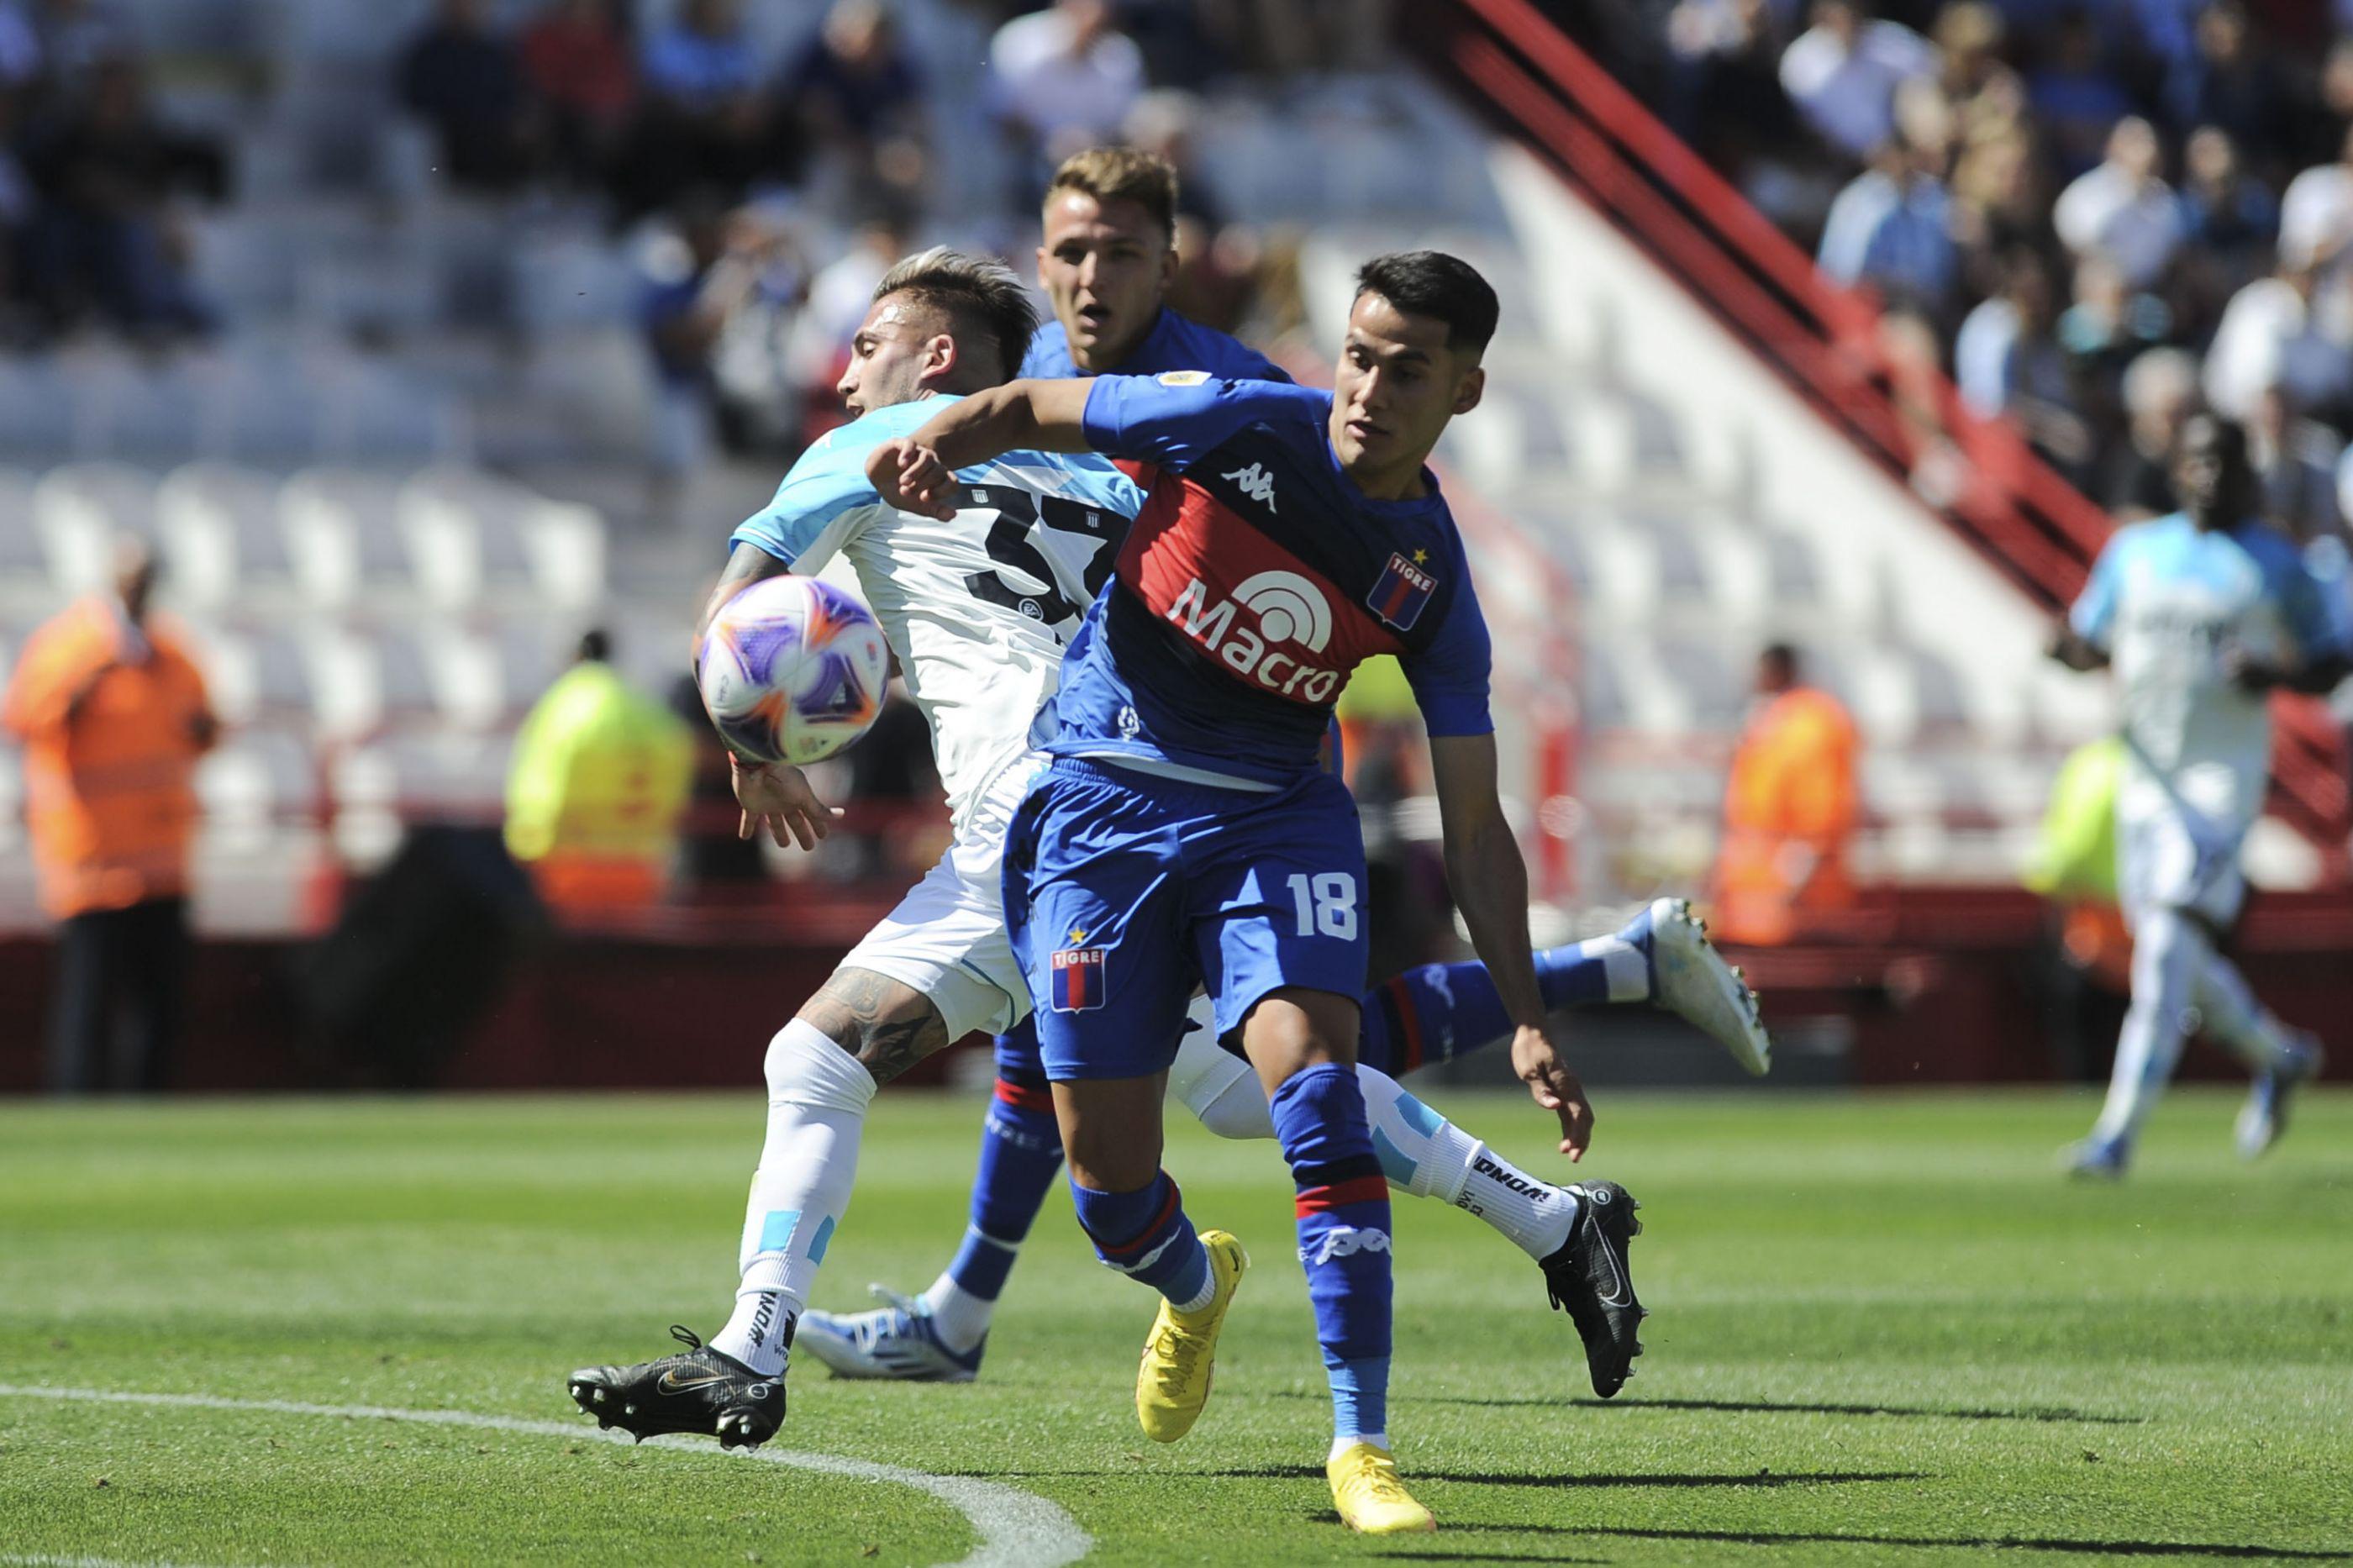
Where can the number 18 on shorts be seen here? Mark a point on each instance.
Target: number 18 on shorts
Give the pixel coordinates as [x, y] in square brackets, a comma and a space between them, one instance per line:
[1123, 891]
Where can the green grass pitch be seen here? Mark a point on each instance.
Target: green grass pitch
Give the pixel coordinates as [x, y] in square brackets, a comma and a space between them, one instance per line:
[1885, 1332]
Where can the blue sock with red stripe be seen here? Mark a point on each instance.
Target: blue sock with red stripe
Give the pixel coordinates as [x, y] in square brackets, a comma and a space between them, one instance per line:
[1020, 1154]
[1444, 1010]
[1146, 1235]
[1344, 1239]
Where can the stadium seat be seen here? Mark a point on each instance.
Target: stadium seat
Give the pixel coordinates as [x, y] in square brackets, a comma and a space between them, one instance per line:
[343, 533]
[218, 523]
[81, 508]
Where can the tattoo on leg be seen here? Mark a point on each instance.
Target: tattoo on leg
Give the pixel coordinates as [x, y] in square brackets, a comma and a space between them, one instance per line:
[886, 1024]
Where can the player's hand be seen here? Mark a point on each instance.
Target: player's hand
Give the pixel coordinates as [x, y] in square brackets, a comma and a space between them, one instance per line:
[910, 477]
[1537, 1061]
[776, 797]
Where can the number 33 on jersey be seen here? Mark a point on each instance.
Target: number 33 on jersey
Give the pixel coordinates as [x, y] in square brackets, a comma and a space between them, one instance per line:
[976, 608]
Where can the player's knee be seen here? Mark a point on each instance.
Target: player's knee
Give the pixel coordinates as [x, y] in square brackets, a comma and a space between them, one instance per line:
[804, 1067]
[1238, 1110]
[1290, 1030]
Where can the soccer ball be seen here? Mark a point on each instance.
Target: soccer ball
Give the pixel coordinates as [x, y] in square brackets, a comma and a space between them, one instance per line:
[792, 670]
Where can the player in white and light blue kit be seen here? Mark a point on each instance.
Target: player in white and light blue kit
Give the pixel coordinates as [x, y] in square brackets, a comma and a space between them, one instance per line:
[2200, 615]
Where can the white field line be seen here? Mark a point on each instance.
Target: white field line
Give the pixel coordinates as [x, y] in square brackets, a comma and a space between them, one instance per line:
[1017, 1529]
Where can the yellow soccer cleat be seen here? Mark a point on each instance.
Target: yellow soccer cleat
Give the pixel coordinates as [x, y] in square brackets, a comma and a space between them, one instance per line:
[1371, 1498]
[1173, 1383]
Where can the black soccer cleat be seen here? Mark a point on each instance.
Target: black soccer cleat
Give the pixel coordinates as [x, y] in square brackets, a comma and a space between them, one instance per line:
[701, 1391]
[1591, 1277]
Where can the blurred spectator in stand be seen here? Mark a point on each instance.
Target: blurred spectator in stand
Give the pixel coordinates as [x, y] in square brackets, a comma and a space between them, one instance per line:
[2000, 199]
[20, 47]
[2007, 361]
[2123, 209]
[1790, 810]
[2077, 97]
[699, 280]
[1843, 73]
[1217, 262]
[1987, 96]
[2317, 133]
[1062, 80]
[465, 81]
[702, 118]
[1725, 97]
[77, 37]
[113, 715]
[2316, 222]
[859, 100]
[2228, 82]
[2230, 224]
[2109, 325]
[1289, 39]
[713, 854]
[104, 240]
[596, 788]
[578, 61]
[2295, 460]
[2287, 329]
[2160, 393]
[892, 775]
[1892, 228]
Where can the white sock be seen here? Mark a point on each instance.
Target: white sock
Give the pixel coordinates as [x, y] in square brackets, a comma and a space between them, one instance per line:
[1536, 1215]
[1628, 972]
[1423, 1153]
[817, 1095]
[1341, 1445]
[2166, 946]
[959, 1317]
[2228, 1011]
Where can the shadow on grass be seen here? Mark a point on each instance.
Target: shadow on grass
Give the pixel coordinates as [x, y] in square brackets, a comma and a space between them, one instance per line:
[2051, 1413]
[1963, 1542]
[1478, 1479]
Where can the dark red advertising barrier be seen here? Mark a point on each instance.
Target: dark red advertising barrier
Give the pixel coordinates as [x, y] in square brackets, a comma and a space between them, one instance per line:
[1927, 985]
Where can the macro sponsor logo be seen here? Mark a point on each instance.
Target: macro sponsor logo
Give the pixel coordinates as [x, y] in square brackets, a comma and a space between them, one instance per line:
[1288, 610]
[1345, 1241]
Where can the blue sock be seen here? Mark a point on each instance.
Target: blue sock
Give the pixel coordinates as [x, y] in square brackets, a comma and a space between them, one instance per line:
[1020, 1154]
[1444, 1010]
[1146, 1235]
[1344, 1237]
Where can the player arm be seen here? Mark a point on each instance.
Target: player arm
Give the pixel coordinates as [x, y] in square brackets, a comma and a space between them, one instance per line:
[774, 796]
[1490, 881]
[2081, 641]
[917, 473]
[2320, 636]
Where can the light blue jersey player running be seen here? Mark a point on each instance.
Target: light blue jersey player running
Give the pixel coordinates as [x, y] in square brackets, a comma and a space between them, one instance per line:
[2199, 614]
[1105, 260]
[1185, 834]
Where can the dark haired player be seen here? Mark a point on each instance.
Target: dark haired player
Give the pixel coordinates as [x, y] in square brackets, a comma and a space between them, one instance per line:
[1186, 834]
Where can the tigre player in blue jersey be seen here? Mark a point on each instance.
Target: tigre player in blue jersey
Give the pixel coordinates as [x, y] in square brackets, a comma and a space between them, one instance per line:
[1185, 834]
[1105, 259]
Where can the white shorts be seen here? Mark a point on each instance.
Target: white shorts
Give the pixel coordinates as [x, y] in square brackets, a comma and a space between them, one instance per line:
[2171, 855]
[947, 938]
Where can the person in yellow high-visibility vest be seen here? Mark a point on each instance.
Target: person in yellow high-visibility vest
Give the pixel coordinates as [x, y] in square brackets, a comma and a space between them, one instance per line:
[596, 788]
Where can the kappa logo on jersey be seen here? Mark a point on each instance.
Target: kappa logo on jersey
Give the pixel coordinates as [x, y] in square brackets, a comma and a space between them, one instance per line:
[1345, 1241]
[1256, 483]
[1078, 979]
[1287, 609]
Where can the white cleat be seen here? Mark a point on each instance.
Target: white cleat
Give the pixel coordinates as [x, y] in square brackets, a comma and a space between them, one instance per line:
[1690, 979]
[2265, 1116]
[897, 1341]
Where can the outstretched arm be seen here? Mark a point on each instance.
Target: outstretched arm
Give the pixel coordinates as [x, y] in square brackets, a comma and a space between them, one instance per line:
[773, 795]
[1491, 888]
[2075, 650]
[917, 473]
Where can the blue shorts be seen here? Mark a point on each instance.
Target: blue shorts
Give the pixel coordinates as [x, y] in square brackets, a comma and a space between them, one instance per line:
[1124, 890]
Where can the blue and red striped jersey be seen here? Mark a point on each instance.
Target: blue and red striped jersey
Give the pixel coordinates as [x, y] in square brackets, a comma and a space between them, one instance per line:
[1255, 581]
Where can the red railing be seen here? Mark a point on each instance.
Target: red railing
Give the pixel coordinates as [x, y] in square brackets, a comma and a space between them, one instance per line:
[1826, 341]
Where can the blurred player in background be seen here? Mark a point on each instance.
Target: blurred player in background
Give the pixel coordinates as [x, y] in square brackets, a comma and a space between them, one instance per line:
[1105, 261]
[2201, 614]
[1186, 834]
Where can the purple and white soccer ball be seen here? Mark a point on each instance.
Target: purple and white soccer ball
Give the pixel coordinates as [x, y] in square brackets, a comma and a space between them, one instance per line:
[792, 670]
